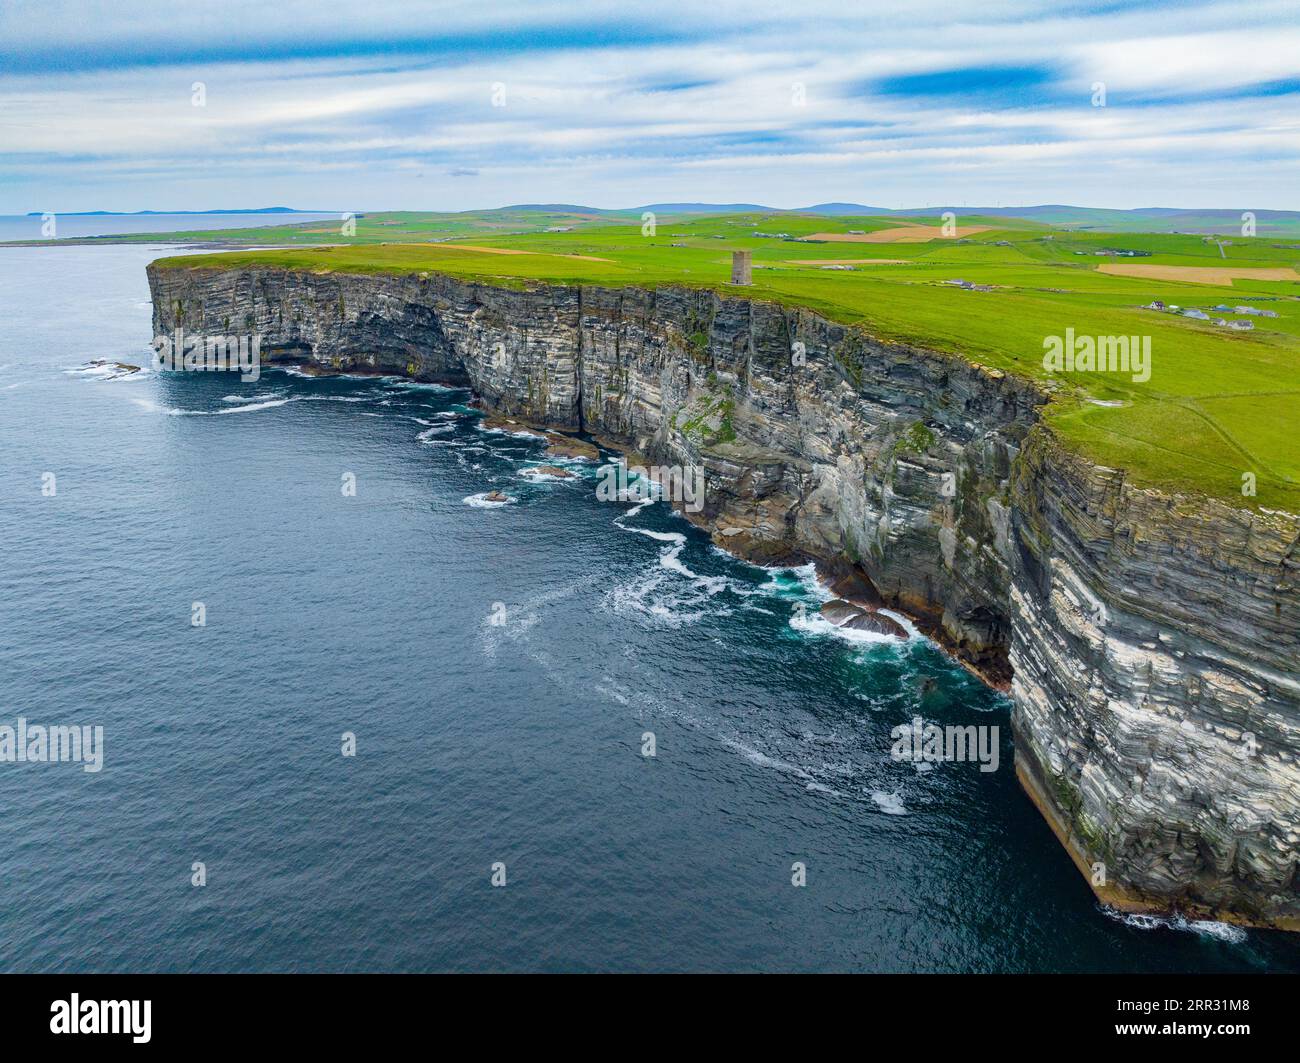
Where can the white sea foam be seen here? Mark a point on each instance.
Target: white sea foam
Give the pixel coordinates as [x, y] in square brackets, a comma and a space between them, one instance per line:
[764, 760]
[653, 599]
[671, 560]
[513, 433]
[755, 756]
[663, 537]
[810, 589]
[813, 623]
[632, 690]
[891, 804]
[1225, 932]
[481, 501]
[110, 371]
[172, 411]
[637, 509]
[153, 407]
[674, 594]
[246, 408]
[904, 622]
[611, 690]
[398, 384]
[535, 475]
[335, 398]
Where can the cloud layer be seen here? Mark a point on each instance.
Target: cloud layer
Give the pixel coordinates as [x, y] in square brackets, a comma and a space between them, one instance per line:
[132, 105]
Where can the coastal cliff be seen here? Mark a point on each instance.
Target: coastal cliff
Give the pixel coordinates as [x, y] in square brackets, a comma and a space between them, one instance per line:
[1151, 643]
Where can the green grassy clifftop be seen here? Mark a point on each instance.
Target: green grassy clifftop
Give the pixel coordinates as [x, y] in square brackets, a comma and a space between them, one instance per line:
[1214, 417]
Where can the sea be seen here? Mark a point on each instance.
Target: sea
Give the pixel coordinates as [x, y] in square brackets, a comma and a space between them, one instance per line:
[54, 226]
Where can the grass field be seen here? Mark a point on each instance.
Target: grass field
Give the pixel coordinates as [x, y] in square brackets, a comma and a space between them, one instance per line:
[1218, 404]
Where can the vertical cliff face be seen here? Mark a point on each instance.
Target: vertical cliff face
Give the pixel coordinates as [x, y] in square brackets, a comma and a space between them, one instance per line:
[812, 438]
[1151, 640]
[1156, 652]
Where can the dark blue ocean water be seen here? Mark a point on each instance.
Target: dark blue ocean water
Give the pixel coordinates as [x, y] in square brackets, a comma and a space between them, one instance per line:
[477, 742]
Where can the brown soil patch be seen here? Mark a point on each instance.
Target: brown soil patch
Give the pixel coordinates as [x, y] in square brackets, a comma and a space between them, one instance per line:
[904, 234]
[1220, 275]
[516, 251]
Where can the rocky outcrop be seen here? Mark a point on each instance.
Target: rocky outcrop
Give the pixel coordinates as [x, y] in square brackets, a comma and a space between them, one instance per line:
[1147, 640]
[855, 618]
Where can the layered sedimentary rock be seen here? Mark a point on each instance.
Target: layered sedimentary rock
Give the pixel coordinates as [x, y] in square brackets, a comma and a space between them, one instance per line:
[1156, 652]
[1151, 643]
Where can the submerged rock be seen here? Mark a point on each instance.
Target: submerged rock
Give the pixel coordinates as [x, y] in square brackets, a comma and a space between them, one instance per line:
[558, 445]
[119, 368]
[846, 614]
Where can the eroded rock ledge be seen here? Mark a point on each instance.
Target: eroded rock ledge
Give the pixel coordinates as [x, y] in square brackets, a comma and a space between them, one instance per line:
[1151, 644]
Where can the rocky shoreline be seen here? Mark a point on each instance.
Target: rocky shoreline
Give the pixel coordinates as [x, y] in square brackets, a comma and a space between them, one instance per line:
[1150, 642]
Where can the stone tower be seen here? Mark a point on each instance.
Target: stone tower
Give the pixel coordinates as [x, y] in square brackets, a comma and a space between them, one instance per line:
[742, 264]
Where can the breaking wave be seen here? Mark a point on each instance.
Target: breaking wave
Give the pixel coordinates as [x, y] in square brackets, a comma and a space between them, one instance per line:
[1208, 928]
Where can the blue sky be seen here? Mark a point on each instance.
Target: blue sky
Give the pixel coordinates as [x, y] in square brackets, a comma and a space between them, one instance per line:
[434, 106]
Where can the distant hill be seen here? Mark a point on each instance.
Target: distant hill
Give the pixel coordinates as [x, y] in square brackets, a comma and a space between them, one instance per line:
[704, 208]
[141, 213]
[1210, 220]
[1142, 219]
[851, 209]
[1060, 215]
[551, 208]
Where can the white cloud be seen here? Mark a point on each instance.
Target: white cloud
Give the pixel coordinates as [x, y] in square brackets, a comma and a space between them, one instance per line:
[635, 117]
